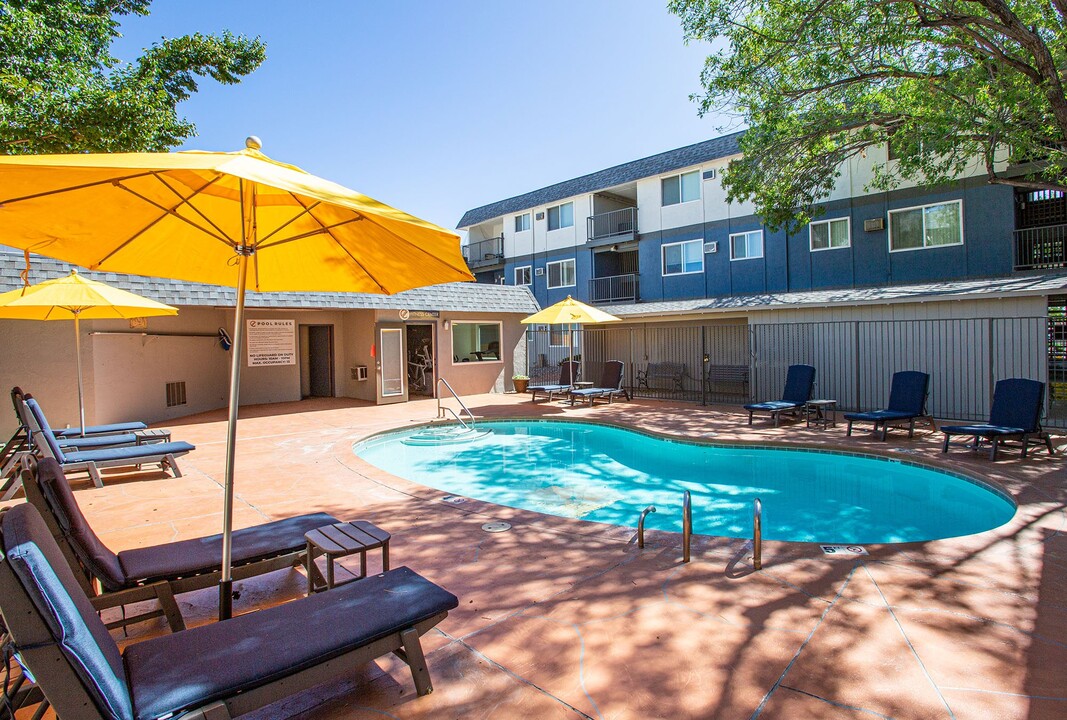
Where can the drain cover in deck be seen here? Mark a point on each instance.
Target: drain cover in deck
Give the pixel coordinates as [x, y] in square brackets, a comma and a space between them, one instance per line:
[495, 527]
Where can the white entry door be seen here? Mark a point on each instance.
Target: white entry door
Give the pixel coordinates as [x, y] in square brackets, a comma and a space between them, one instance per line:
[392, 378]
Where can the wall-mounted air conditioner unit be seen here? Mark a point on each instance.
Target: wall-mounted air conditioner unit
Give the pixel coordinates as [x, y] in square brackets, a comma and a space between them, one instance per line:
[359, 372]
[540, 216]
[874, 224]
[711, 247]
[709, 174]
[539, 271]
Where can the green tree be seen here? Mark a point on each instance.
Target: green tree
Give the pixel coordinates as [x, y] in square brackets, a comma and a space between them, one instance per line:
[61, 90]
[954, 85]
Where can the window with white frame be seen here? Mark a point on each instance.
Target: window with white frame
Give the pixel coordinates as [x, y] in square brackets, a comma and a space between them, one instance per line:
[682, 258]
[681, 188]
[925, 226]
[830, 234]
[524, 275]
[476, 341]
[522, 222]
[557, 336]
[746, 245]
[560, 273]
[561, 216]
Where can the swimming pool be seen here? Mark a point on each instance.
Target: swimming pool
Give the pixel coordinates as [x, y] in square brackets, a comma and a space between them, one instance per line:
[608, 475]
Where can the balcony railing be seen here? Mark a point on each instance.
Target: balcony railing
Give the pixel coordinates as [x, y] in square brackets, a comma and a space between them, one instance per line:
[484, 252]
[1041, 247]
[614, 224]
[614, 288]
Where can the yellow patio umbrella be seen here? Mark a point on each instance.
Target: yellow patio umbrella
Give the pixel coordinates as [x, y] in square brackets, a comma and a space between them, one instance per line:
[570, 312]
[73, 297]
[203, 216]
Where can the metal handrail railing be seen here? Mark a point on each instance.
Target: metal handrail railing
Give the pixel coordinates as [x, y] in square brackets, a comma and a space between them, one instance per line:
[463, 408]
[687, 525]
[757, 534]
[641, 525]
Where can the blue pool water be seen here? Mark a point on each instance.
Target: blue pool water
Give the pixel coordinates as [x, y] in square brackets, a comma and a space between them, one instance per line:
[608, 475]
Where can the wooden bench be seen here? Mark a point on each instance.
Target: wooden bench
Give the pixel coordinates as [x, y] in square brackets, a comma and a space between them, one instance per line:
[670, 372]
[735, 376]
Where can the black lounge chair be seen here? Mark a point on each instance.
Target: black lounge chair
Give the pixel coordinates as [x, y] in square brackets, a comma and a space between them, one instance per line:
[158, 572]
[93, 460]
[799, 383]
[907, 401]
[568, 374]
[610, 385]
[1015, 415]
[212, 672]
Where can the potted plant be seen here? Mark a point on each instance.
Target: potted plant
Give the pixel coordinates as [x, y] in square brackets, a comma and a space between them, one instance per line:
[521, 382]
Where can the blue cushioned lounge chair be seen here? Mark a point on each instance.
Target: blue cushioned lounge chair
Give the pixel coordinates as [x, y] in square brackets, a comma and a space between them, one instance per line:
[799, 383]
[46, 443]
[212, 672]
[1015, 415]
[907, 401]
[610, 385]
[568, 374]
[158, 572]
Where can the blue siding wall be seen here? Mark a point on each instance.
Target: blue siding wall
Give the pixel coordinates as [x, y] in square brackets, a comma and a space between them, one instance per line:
[788, 264]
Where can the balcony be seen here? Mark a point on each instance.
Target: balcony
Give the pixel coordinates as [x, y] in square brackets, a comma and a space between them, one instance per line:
[1041, 247]
[484, 253]
[614, 288]
[617, 225]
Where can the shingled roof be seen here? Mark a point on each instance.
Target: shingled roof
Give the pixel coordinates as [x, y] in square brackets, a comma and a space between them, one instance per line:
[451, 297]
[627, 172]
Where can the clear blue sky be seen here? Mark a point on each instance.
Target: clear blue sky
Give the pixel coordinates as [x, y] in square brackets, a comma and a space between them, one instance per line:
[439, 107]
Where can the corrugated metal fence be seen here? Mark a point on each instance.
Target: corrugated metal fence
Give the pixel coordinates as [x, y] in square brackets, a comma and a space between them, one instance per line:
[737, 363]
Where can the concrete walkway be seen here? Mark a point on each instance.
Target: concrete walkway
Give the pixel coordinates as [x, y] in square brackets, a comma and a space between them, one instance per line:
[564, 619]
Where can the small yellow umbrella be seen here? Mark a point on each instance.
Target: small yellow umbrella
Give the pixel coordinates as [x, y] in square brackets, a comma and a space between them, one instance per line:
[73, 297]
[218, 217]
[570, 312]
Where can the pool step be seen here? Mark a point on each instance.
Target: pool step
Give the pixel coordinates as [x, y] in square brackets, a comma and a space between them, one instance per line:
[450, 435]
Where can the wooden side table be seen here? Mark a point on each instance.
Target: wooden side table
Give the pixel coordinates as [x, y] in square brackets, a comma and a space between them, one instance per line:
[821, 413]
[342, 540]
[152, 435]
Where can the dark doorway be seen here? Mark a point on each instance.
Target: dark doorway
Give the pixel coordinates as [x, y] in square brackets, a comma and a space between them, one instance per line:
[420, 360]
[320, 360]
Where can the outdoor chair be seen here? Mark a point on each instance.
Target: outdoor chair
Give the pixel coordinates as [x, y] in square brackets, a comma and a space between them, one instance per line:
[158, 572]
[610, 385]
[109, 429]
[568, 374]
[1015, 415]
[212, 672]
[907, 401]
[799, 383]
[46, 443]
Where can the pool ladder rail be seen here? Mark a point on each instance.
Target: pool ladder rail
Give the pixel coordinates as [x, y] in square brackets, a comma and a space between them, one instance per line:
[687, 529]
[641, 525]
[757, 534]
[464, 410]
[687, 525]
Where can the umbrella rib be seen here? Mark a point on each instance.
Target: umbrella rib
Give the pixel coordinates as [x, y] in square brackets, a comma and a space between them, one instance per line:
[307, 211]
[74, 188]
[189, 201]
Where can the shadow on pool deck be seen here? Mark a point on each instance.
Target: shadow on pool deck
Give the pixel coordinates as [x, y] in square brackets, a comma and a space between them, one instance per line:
[565, 619]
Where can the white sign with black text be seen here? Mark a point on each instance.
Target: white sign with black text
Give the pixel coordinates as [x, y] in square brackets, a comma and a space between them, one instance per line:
[271, 342]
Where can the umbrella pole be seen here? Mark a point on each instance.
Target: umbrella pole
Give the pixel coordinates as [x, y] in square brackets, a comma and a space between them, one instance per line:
[226, 579]
[78, 354]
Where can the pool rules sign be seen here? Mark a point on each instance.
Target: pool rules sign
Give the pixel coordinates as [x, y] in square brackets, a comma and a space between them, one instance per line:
[271, 342]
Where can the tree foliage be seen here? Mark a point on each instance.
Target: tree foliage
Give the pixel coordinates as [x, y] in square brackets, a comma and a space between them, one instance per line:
[61, 90]
[952, 83]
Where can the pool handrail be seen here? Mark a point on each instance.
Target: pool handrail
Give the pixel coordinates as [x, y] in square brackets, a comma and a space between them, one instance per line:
[442, 408]
[641, 525]
[757, 534]
[687, 525]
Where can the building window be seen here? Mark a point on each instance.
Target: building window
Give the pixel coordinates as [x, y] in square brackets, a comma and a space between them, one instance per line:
[557, 337]
[522, 222]
[746, 245]
[683, 257]
[926, 226]
[681, 188]
[561, 216]
[830, 234]
[475, 342]
[523, 275]
[561, 273]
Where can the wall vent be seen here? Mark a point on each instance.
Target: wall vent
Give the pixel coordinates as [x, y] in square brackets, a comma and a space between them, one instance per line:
[176, 394]
[539, 272]
[709, 174]
[874, 224]
[540, 216]
[711, 247]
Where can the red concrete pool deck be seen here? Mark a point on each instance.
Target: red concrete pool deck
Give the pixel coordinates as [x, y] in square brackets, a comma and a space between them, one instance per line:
[560, 618]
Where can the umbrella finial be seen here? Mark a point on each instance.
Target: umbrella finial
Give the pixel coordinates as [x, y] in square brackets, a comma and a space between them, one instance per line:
[253, 143]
